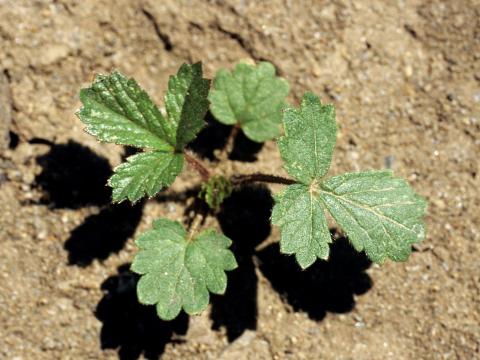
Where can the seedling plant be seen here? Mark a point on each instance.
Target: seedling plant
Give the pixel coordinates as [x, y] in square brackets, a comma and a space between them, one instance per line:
[179, 266]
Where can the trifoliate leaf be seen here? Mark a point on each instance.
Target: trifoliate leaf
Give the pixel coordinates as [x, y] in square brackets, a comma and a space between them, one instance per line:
[310, 134]
[215, 190]
[251, 96]
[144, 174]
[178, 272]
[186, 103]
[115, 109]
[380, 213]
[304, 227]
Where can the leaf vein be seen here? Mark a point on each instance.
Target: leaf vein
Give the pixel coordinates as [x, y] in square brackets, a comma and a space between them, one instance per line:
[369, 209]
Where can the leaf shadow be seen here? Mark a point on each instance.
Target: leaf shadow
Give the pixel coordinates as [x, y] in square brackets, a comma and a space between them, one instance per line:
[326, 286]
[214, 137]
[247, 226]
[134, 330]
[103, 234]
[72, 176]
[245, 149]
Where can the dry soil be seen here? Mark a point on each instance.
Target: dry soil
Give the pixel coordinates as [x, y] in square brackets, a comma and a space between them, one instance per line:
[405, 79]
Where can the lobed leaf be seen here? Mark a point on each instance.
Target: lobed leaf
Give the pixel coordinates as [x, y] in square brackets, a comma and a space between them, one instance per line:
[380, 213]
[186, 103]
[177, 272]
[251, 96]
[144, 174]
[115, 109]
[310, 134]
[304, 228]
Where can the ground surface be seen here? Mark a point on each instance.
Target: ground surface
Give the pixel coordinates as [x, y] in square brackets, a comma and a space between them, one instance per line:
[405, 79]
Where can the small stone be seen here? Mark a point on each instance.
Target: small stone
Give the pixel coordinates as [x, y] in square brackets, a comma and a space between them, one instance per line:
[439, 203]
[51, 54]
[459, 20]
[408, 71]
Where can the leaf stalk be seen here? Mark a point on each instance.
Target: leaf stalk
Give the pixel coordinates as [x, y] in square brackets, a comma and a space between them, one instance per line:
[227, 150]
[258, 177]
[196, 164]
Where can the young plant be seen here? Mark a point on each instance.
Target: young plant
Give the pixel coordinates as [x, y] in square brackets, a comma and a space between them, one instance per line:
[178, 267]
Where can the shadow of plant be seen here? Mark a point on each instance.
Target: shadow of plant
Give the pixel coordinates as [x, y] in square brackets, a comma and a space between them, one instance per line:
[214, 137]
[244, 218]
[73, 176]
[129, 327]
[103, 234]
[326, 286]
[245, 149]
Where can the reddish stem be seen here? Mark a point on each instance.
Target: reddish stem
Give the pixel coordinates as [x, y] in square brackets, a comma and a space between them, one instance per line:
[197, 165]
[257, 177]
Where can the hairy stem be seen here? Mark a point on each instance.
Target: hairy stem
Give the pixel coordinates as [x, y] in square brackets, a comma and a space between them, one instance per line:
[227, 150]
[199, 211]
[196, 222]
[258, 177]
[197, 165]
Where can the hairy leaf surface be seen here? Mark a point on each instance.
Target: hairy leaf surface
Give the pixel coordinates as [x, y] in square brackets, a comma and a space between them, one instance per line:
[186, 103]
[380, 213]
[115, 109]
[177, 272]
[300, 214]
[310, 134]
[251, 96]
[144, 174]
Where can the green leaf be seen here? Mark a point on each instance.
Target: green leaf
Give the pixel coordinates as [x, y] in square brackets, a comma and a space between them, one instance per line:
[304, 228]
[115, 109]
[310, 134]
[144, 174]
[380, 213]
[215, 190]
[178, 272]
[186, 103]
[251, 96]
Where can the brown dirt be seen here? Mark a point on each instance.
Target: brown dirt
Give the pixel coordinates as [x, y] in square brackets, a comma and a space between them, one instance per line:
[405, 79]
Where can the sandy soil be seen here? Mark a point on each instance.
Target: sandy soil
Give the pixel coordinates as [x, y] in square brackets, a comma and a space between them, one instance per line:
[405, 79]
